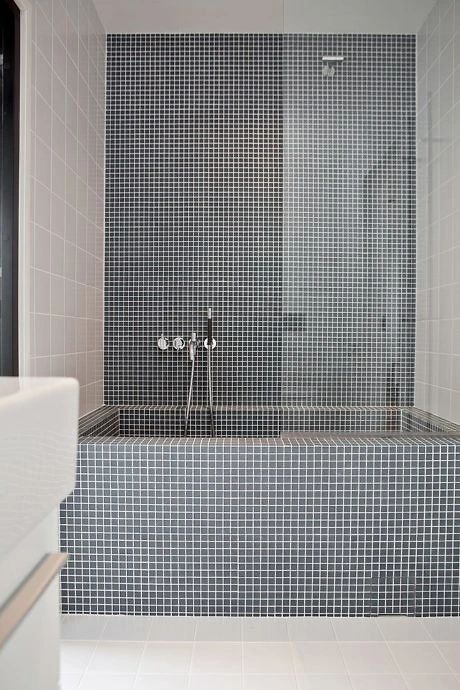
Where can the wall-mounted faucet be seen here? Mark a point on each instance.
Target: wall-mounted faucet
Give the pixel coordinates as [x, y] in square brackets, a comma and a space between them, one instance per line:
[178, 343]
[163, 343]
[192, 347]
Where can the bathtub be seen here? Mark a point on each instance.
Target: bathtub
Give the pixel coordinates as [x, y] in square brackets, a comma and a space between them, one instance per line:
[289, 511]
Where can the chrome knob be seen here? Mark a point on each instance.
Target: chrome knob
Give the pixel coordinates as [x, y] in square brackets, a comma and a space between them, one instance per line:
[214, 343]
[178, 343]
[163, 342]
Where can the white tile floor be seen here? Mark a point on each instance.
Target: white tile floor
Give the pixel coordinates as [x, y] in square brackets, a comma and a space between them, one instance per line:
[137, 653]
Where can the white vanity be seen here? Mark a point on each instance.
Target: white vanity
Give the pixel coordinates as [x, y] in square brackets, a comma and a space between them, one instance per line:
[38, 438]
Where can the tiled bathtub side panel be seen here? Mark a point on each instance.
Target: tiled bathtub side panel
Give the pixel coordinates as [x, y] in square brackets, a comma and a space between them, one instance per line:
[262, 531]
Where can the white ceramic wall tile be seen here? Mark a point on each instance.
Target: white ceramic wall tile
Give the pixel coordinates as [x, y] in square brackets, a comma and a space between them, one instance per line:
[310, 630]
[356, 629]
[67, 182]
[402, 629]
[173, 629]
[443, 629]
[82, 627]
[219, 629]
[438, 213]
[264, 629]
[127, 628]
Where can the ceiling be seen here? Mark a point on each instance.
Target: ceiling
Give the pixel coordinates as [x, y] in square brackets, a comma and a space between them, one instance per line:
[247, 16]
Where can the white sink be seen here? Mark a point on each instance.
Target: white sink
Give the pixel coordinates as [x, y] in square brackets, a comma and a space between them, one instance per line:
[38, 440]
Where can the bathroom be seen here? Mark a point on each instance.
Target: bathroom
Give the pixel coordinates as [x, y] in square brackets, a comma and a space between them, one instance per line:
[230, 345]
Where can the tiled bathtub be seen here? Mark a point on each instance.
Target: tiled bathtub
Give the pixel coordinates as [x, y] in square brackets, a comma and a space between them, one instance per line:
[340, 511]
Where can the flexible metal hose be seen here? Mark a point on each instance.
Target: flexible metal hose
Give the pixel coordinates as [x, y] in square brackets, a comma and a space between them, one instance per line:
[189, 399]
[210, 401]
[193, 354]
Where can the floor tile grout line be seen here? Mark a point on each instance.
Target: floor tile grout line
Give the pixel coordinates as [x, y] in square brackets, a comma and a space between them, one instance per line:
[436, 644]
[400, 671]
[91, 656]
[345, 665]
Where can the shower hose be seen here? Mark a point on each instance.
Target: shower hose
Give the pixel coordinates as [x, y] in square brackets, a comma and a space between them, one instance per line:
[189, 398]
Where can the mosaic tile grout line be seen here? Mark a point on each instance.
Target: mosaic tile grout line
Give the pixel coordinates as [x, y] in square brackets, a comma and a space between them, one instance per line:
[233, 170]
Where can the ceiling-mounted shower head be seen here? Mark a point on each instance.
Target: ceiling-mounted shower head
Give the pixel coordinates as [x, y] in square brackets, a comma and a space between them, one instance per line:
[329, 64]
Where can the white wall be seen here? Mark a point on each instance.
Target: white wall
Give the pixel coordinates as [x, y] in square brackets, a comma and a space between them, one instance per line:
[65, 177]
[438, 213]
[259, 16]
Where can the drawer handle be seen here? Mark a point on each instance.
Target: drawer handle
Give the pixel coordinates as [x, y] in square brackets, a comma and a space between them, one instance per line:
[22, 600]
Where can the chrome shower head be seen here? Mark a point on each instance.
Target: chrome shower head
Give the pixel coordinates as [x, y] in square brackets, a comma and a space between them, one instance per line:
[329, 64]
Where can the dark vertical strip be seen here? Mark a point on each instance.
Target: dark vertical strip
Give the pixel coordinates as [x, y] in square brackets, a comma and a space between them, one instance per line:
[9, 187]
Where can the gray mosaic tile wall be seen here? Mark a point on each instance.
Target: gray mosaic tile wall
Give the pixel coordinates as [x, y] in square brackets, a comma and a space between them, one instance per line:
[239, 177]
[349, 221]
[358, 526]
[193, 214]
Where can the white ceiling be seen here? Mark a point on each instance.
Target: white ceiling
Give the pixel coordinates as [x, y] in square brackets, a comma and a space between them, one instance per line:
[246, 16]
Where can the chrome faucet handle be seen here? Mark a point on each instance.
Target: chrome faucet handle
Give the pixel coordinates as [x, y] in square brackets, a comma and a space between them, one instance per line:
[214, 343]
[163, 342]
[178, 343]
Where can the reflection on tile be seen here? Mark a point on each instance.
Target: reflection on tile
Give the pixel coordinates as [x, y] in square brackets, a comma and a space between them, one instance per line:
[269, 682]
[172, 628]
[418, 657]
[324, 682]
[268, 657]
[166, 657]
[116, 657]
[378, 682]
[432, 682]
[264, 629]
[75, 656]
[356, 629]
[310, 629]
[161, 682]
[69, 681]
[107, 681]
[402, 629]
[127, 628]
[76, 627]
[443, 629]
[220, 681]
[217, 657]
[318, 657]
[219, 629]
[451, 653]
[368, 657]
